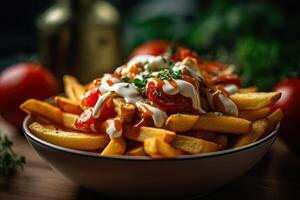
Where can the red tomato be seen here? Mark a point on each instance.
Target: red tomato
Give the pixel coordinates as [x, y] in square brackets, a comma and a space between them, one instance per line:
[153, 47]
[290, 104]
[170, 103]
[20, 82]
[90, 97]
[158, 47]
[86, 118]
[213, 66]
[234, 79]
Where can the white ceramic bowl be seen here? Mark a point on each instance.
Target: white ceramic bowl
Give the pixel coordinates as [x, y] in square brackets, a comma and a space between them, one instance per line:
[140, 176]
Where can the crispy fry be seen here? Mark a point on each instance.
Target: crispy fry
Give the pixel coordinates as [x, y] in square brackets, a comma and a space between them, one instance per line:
[258, 129]
[73, 89]
[248, 89]
[254, 100]
[253, 115]
[74, 140]
[157, 148]
[68, 105]
[124, 110]
[54, 114]
[43, 109]
[204, 135]
[148, 132]
[116, 146]
[181, 122]
[273, 119]
[194, 145]
[136, 151]
[222, 140]
[225, 124]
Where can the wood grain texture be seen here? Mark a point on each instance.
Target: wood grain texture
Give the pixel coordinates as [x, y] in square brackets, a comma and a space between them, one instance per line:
[276, 176]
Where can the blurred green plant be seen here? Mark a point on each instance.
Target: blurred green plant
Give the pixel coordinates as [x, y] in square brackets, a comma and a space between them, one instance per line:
[9, 161]
[255, 35]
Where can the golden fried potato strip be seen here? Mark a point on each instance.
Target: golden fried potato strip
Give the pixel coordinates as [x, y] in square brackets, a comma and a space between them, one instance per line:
[254, 100]
[257, 131]
[73, 89]
[224, 124]
[181, 122]
[157, 148]
[273, 119]
[194, 145]
[45, 110]
[253, 115]
[147, 132]
[116, 146]
[136, 151]
[69, 139]
[124, 110]
[68, 105]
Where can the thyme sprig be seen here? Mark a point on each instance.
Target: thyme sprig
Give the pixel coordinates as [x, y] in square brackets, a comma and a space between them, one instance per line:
[9, 160]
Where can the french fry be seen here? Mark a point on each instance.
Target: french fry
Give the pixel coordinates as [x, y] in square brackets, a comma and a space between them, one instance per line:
[194, 145]
[254, 100]
[273, 119]
[181, 122]
[124, 110]
[68, 105]
[222, 140]
[45, 110]
[204, 135]
[257, 131]
[248, 89]
[253, 115]
[73, 89]
[69, 139]
[225, 124]
[157, 148]
[148, 132]
[116, 146]
[136, 151]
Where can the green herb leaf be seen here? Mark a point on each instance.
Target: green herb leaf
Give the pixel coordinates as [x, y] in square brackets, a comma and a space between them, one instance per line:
[139, 83]
[126, 79]
[9, 161]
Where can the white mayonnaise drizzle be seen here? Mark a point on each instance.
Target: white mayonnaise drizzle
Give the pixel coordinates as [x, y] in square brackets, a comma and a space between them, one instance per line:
[156, 63]
[99, 103]
[185, 89]
[104, 86]
[111, 129]
[229, 106]
[131, 95]
[159, 117]
[128, 91]
[231, 88]
[192, 70]
[169, 89]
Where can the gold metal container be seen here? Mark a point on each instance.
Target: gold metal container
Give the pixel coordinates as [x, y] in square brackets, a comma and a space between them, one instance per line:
[79, 37]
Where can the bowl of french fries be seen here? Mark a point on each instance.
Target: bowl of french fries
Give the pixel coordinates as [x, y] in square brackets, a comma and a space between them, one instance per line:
[154, 127]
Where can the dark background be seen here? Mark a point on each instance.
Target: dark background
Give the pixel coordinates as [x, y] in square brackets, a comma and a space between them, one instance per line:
[259, 37]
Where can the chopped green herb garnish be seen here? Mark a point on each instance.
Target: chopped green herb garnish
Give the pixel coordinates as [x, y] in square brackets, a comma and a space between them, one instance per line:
[126, 79]
[9, 161]
[169, 74]
[139, 83]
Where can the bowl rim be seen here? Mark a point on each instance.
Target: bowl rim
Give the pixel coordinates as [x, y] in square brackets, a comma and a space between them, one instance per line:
[29, 135]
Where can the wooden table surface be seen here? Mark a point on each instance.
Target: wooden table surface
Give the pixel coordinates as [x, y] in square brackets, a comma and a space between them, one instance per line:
[276, 176]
